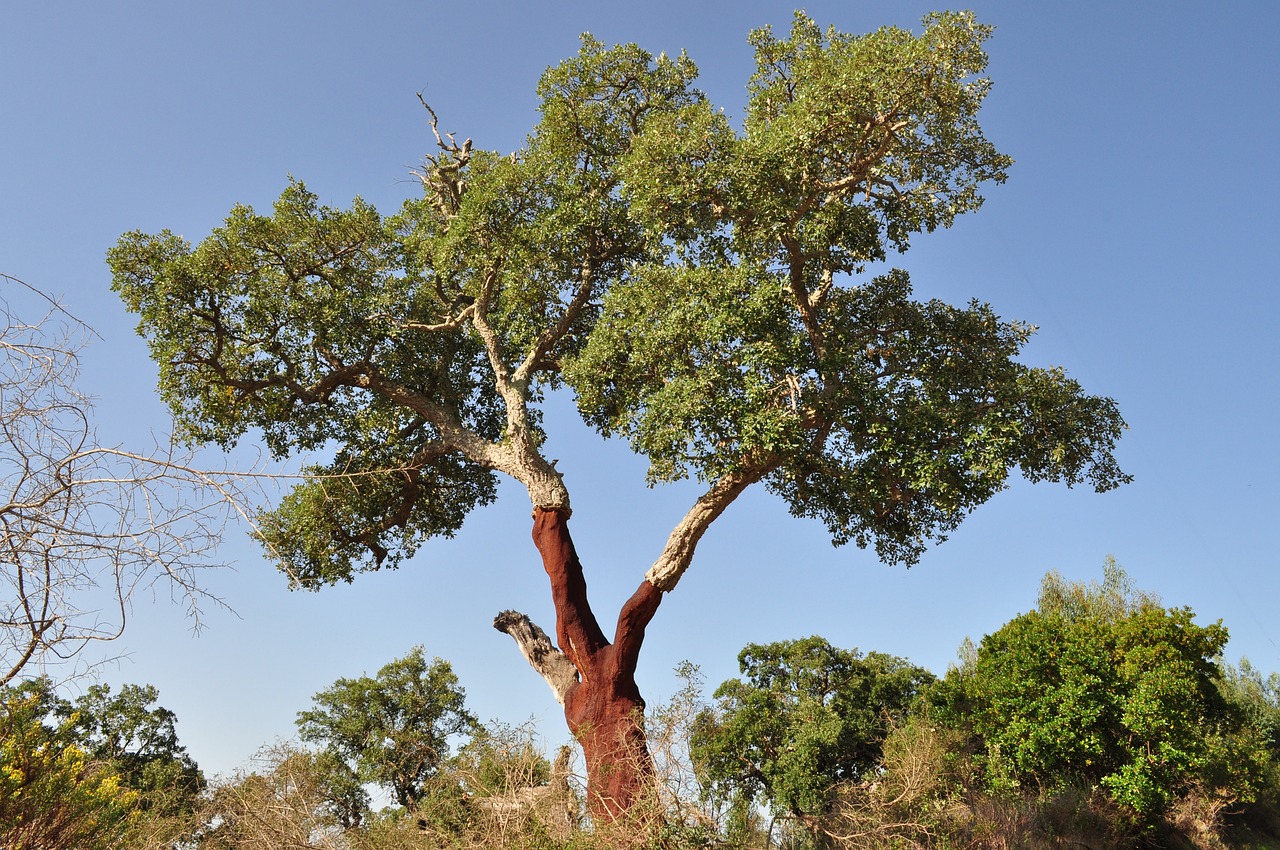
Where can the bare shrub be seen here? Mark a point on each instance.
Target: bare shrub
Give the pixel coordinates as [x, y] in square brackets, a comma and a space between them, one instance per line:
[512, 790]
[907, 805]
[283, 803]
[85, 526]
[1198, 815]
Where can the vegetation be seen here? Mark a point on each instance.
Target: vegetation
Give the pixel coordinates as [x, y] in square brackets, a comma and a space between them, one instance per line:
[99, 772]
[808, 718]
[1098, 719]
[702, 291]
[1101, 687]
[392, 729]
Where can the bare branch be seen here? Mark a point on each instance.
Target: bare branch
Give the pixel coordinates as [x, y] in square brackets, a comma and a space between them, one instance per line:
[56, 305]
[443, 176]
[543, 656]
[84, 527]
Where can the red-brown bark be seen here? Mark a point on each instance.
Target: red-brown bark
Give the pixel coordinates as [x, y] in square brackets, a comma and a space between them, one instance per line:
[604, 708]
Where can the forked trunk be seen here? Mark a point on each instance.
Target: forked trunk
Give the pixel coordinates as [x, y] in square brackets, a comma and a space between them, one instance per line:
[607, 720]
[604, 708]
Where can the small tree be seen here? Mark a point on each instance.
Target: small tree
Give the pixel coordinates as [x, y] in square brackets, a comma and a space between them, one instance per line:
[807, 717]
[1101, 686]
[392, 729]
[1258, 699]
[700, 289]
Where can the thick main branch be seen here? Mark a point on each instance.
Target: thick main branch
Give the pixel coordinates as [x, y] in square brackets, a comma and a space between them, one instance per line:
[577, 630]
[678, 553]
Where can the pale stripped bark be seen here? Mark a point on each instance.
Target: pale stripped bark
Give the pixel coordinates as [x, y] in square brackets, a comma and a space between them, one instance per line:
[543, 656]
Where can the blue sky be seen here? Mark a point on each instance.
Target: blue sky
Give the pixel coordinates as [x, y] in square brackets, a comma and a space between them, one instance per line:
[1136, 230]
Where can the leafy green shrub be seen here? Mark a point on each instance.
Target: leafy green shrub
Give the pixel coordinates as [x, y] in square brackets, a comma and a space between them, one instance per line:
[807, 717]
[1102, 687]
[52, 793]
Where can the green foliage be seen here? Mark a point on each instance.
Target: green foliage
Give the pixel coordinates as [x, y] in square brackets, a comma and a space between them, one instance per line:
[1101, 686]
[286, 319]
[696, 285]
[52, 794]
[100, 773]
[807, 717]
[392, 729]
[141, 744]
[1258, 699]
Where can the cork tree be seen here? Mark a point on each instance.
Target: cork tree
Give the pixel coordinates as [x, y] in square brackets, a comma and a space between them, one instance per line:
[700, 287]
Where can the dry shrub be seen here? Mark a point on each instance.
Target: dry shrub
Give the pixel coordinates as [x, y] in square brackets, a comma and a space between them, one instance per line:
[685, 816]
[1198, 816]
[499, 792]
[929, 795]
[909, 804]
[1070, 818]
[280, 805]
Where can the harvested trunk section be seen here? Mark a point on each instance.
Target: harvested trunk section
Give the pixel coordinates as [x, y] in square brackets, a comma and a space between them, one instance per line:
[604, 708]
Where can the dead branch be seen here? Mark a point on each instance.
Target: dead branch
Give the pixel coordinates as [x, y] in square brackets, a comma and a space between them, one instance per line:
[543, 656]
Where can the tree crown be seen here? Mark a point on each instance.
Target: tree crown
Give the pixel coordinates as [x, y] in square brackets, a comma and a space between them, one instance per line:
[699, 288]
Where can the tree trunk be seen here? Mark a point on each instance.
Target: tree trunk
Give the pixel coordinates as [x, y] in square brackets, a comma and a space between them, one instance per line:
[603, 707]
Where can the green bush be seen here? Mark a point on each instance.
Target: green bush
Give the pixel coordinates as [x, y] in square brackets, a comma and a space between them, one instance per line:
[806, 717]
[1100, 686]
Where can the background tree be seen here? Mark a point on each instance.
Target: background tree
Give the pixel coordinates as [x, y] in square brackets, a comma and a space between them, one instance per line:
[392, 729]
[84, 525]
[101, 771]
[140, 742]
[806, 717]
[699, 287]
[1258, 698]
[1100, 686]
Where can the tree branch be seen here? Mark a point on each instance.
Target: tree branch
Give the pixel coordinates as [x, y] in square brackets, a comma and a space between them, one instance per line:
[543, 656]
[577, 630]
[549, 337]
[633, 619]
[678, 553]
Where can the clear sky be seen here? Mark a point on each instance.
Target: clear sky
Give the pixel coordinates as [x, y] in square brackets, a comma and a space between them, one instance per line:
[1137, 230]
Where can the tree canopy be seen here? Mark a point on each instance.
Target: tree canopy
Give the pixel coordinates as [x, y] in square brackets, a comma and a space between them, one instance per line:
[140, 740]
[392, 729]
[698, 286]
